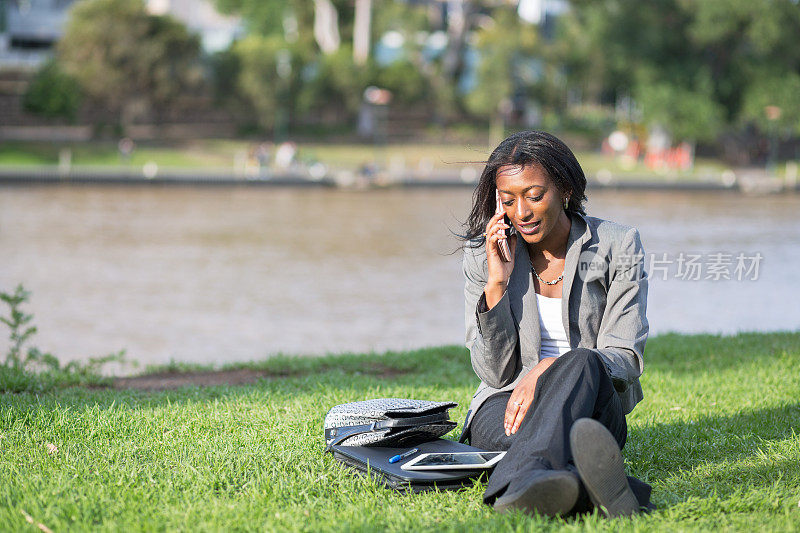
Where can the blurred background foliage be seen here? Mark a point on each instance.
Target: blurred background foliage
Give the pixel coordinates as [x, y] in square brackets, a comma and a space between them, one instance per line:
[54, 94]
[127, 60]
[705, 72]
[695, 67]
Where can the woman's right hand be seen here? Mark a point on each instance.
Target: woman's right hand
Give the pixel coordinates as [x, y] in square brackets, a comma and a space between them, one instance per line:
[499, 270]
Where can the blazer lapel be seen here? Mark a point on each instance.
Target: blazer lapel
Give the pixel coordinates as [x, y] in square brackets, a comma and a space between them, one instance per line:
[578, 234]
[524, 306]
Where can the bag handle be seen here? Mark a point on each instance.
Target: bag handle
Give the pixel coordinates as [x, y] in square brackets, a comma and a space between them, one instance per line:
[342, 433]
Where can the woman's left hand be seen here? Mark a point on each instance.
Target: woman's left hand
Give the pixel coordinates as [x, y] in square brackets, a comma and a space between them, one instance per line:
[522, 397]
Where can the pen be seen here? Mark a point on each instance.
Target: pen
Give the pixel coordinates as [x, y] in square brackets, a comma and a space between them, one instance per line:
[402, 456]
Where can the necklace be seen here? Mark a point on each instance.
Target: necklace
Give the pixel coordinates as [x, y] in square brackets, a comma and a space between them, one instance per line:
[559, 278]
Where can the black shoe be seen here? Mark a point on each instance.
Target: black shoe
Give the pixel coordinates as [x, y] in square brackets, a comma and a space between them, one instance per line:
[546, 492]
[600, 466]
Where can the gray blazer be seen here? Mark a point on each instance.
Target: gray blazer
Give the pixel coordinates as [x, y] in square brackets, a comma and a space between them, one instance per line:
[604, 302]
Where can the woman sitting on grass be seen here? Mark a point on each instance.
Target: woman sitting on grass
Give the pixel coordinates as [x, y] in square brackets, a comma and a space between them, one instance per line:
[556, 334]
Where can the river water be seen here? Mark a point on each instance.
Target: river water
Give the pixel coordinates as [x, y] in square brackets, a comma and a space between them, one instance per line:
[214, 275]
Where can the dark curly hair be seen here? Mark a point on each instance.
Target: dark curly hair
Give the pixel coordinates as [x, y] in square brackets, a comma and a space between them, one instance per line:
[523, 149]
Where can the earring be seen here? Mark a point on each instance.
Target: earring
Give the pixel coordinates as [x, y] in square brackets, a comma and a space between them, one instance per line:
[566, 203]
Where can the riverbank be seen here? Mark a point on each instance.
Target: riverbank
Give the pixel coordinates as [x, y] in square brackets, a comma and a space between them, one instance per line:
[743, 180]
[228, 163]
[249, 156]
[714, 437]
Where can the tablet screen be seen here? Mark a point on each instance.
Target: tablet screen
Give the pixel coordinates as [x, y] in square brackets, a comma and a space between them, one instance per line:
[467, 458]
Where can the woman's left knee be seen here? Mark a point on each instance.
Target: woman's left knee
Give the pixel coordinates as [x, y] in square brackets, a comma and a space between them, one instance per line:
[581, 356]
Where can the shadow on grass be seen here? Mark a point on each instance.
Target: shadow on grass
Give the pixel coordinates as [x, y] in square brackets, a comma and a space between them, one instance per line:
[702, 353]
[669, 446]
[713, 455]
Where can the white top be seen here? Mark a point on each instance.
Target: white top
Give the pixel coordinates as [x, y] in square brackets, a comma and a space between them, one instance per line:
[554, 338]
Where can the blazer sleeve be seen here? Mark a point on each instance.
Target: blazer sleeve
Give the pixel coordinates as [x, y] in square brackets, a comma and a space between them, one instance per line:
[492, 336]
[624, 327]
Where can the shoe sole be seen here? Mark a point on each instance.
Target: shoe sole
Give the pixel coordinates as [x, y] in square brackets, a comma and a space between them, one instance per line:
[601, 468]
[550, 494]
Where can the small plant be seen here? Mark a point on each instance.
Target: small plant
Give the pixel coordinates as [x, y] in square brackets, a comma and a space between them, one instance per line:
[20, 330]
[32, 369]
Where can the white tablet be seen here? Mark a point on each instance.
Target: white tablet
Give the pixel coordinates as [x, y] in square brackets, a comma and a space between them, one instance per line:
[453, 461]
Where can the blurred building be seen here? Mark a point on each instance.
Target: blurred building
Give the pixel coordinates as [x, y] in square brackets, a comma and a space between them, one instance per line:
[29, 29]
[29, 32]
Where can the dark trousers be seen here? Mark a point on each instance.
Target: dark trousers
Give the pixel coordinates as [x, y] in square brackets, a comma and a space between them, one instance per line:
[576, 385]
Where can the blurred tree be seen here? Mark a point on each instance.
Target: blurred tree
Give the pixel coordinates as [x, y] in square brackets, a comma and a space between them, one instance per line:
[405, 80]
[319, 82]
[696, 68]
[284, 68]
[268, 17]
[132, 62]
[293, 19]
[689, 114]
[333, 80]
[225, 66]
[772, 101]
[52, 93]
[283, 82]
[502, 43]
[413, 73]
[268, 77]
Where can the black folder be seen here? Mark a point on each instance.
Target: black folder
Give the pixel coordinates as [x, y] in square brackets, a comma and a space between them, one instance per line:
[374, 461]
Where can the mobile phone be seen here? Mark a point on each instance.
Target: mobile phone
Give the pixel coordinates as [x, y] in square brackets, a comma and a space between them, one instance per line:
[502, 244]
[454, 461]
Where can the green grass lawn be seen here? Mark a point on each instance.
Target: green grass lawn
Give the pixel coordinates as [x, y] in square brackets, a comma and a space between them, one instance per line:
[716, 436]
[106, 154]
